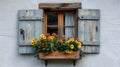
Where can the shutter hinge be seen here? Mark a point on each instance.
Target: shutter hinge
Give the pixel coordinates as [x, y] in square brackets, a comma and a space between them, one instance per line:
[78, 18]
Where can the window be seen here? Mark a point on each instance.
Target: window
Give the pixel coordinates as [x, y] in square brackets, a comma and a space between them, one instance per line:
[61, 23]
[60, 18]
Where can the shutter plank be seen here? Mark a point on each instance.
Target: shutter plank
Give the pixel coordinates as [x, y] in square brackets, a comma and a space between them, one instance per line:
[81, 28]
[89, 14]
[91, 43]
[26, 50]
[38, 29]
[97, 30]
[30, 14]
[90, 49]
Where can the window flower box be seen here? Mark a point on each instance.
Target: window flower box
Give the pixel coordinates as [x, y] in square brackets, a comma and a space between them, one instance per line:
[60, 55]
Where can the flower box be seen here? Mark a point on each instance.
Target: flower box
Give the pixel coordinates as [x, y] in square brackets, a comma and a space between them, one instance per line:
[60, 55]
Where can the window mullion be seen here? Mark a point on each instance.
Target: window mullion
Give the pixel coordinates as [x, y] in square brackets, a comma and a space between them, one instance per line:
[60, 24]
[45, 23]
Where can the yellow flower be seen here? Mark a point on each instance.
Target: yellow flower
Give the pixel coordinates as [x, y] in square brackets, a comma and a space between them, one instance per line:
[44, 37]
[68, 51]
[67, 42]
[71, 46]
[41, 35]
[76, 41]
[71, 39]
[79, 45]
[52, 37]
[33, 41]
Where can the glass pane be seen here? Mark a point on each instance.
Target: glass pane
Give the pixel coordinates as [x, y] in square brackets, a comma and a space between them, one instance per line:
[69, 32]
[52, 30]
[52, 19]
[69, 19]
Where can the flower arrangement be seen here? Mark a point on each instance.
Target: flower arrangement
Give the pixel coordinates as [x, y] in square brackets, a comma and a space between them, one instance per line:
[48, 43]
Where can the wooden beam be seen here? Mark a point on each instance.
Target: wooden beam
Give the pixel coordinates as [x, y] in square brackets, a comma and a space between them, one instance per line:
[59, 6]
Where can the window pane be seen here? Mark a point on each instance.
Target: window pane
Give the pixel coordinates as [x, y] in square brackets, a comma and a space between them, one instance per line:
[69, 32]
[52, 19]
[69, 19]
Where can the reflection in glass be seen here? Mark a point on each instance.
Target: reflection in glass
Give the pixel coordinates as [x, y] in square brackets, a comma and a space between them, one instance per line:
[52, 19]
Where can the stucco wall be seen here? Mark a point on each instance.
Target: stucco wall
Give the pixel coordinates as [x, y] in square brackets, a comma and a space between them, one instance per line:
[110, 35]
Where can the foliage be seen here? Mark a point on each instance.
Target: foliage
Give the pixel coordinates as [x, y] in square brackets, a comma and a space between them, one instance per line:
[48, 43]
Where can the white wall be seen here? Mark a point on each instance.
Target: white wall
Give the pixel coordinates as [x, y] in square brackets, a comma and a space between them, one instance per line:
[110, 35]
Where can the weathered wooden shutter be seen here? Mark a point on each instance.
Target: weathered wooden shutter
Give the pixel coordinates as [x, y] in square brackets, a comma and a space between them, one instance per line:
[30, 26]
[89, 30]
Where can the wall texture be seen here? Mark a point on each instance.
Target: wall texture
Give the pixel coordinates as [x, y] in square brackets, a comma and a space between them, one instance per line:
[110, 38]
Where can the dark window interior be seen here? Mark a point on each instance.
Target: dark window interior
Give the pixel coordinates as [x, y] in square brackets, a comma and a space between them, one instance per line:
[52, 19]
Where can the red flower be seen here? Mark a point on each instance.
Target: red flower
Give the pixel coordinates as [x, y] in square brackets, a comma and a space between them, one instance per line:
[47, 34]
[54, 34]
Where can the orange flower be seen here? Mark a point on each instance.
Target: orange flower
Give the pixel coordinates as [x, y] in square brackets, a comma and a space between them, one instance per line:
[40, 39]
[53, 34]
[47, 34]
[63, 36]
[61, 41]
[51, 38]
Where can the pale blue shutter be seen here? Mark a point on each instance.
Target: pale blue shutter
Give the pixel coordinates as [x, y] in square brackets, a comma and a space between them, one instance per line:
[30, 26]
[89, 30]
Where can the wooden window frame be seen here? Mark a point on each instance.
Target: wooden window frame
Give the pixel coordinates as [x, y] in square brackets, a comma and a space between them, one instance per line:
[60, 21]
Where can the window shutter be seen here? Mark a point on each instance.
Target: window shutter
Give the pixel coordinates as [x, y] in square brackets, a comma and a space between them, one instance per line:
[30, 26]
[89, 30]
